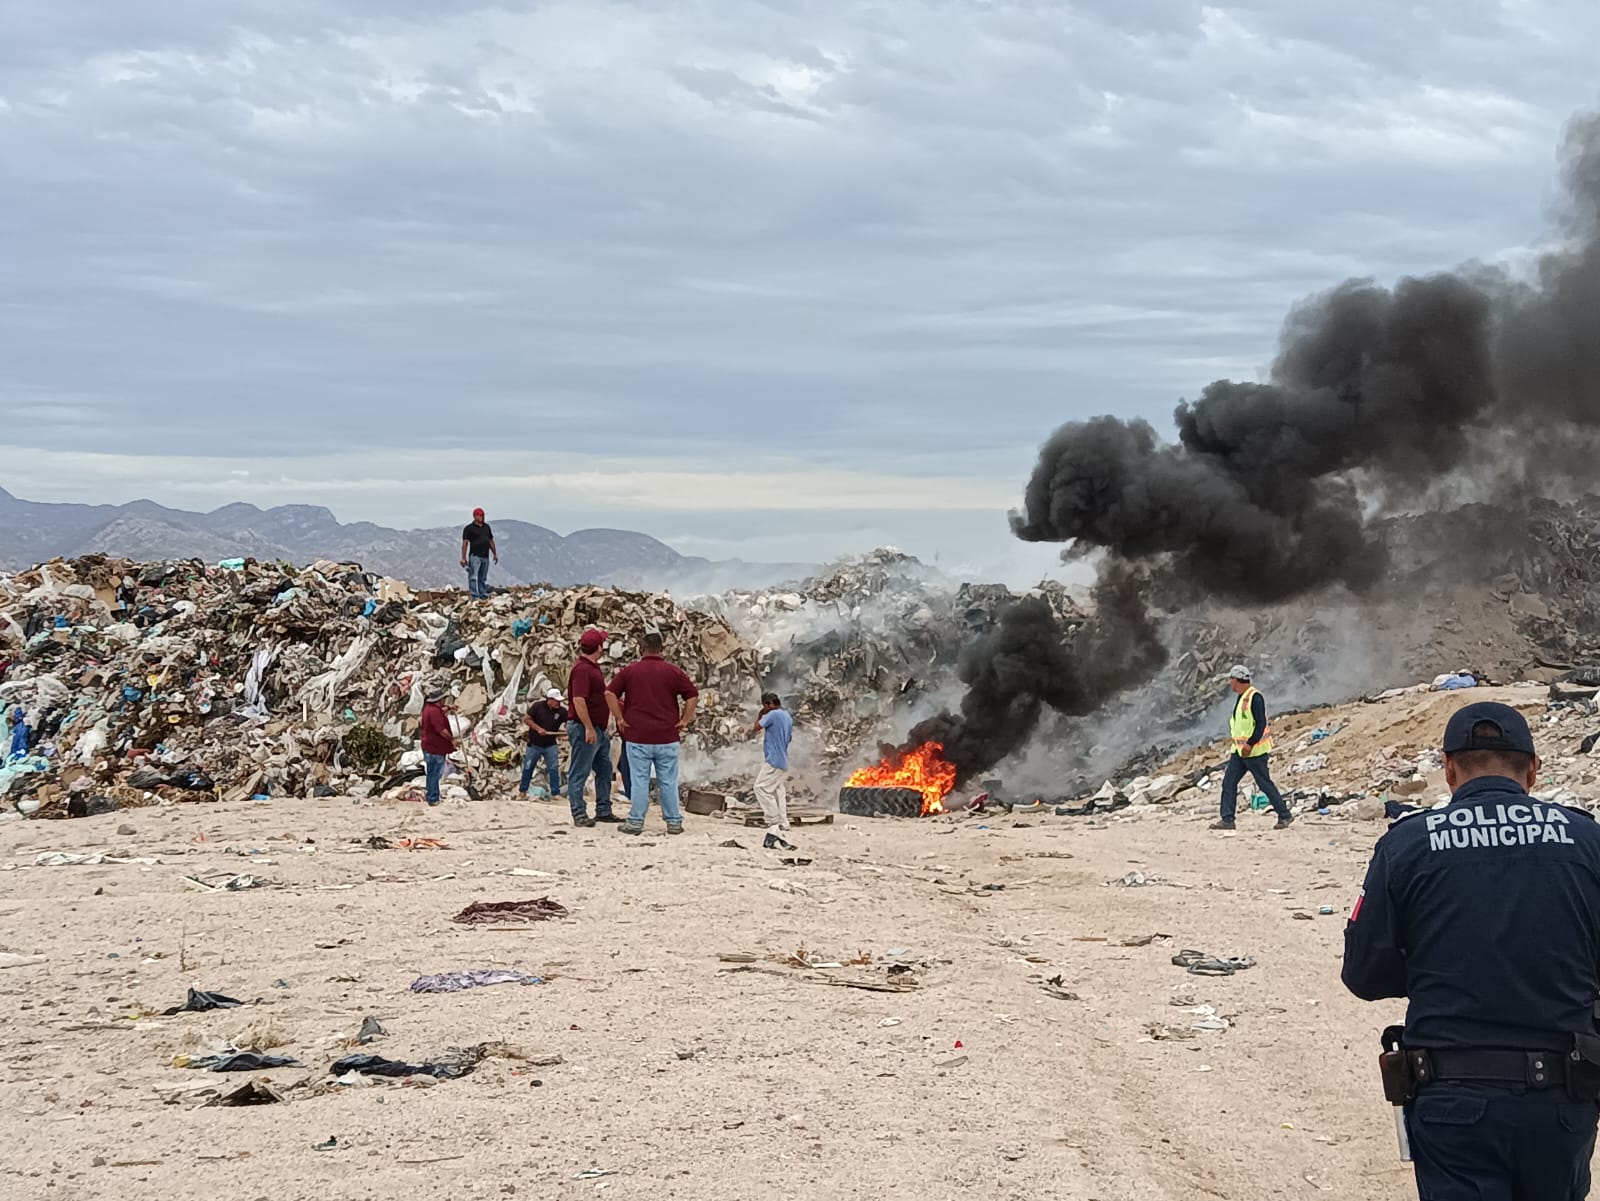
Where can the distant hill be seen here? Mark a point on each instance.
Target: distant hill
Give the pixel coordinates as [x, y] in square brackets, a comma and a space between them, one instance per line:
[33, 531]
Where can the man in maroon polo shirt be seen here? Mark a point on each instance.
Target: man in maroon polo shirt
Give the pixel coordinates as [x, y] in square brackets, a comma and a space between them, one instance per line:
[586, 733]
[644, 698]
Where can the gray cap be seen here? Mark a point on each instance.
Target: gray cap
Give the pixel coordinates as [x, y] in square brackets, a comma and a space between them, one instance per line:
[1239, 672]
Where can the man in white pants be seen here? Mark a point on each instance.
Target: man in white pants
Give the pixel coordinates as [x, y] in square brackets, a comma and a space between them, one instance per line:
[772, 783]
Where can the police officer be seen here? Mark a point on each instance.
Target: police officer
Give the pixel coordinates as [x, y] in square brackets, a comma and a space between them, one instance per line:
[1251, 739]
[1485, 914]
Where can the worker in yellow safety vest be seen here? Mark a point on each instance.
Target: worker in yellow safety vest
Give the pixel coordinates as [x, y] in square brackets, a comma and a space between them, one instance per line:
[1251, 739]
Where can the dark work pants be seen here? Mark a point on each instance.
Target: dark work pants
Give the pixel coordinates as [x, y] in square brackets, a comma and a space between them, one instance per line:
[1256, 765]
[1482, 1142]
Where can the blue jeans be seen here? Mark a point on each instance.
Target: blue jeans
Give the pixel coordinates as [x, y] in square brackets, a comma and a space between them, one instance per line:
[552, 767]
[585, 758]
[435, 773]
[478, 575]
[663, 756]
[1256, 765]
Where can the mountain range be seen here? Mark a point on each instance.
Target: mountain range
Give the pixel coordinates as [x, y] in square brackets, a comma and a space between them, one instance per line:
[33, 531]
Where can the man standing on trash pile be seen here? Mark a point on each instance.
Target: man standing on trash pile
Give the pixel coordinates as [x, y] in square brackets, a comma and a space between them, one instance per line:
[1485, 914]
[437, 741]
[644, 699]
[477, 545]
[1251, 737]
[776, 728]
[545, 718]
[586, 733]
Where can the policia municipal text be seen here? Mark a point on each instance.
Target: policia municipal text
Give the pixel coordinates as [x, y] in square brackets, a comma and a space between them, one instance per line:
[1486, 915]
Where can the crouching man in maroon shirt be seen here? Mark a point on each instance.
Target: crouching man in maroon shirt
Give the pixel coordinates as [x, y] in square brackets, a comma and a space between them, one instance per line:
[644, 698]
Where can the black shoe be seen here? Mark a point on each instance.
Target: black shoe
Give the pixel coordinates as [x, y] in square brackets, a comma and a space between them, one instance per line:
[583, 821]
[1220, 825]
[609, 819]
[773, 843]
[1284, 822]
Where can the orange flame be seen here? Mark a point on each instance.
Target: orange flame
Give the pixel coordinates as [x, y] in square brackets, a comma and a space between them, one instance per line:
[923, 769]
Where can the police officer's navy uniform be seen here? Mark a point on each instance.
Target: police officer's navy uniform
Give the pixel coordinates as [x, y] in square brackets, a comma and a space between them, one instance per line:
[1485, 914]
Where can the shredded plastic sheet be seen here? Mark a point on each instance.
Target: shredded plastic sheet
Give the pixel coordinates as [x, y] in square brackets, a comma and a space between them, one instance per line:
[255, 702]
[321, 691]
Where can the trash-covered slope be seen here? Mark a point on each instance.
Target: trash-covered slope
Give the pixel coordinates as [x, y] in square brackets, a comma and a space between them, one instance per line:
[253, 679]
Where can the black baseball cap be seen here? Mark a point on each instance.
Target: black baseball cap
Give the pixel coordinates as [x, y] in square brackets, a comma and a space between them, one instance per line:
[1513, 732]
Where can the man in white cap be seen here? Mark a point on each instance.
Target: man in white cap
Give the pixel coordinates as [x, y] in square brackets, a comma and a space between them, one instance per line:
[1251, 737]
[545, 719]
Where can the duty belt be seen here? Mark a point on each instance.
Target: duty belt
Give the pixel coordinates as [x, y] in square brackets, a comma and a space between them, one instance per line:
[1532, 1069]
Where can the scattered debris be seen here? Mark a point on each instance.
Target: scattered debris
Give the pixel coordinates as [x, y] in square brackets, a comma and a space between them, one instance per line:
[1199, 963]
[1161, 1032]
[1056, 986]
[201, 1002]
[255, 1092]
[234, 1060]
[375, 1065]
[1138, 880]
[228, 882]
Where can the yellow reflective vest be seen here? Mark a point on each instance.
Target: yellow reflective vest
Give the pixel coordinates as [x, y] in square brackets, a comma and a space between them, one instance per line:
[1242, 724]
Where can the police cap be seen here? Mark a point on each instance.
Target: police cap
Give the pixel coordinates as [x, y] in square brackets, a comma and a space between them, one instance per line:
[1513, 734]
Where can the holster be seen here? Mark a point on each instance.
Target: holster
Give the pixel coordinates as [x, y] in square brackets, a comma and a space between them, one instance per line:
[1583, 1068]
[1397, 1068]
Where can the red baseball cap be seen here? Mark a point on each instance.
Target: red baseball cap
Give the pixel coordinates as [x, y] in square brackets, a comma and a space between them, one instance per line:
[592, 640]
[477, 512]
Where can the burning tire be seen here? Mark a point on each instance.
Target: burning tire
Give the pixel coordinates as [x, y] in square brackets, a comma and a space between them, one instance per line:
[885, 802]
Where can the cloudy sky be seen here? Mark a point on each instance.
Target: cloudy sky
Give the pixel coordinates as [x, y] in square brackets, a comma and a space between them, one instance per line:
[770, 278]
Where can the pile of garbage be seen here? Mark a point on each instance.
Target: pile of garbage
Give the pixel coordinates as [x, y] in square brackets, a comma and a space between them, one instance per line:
[853, 649]
[129, 683]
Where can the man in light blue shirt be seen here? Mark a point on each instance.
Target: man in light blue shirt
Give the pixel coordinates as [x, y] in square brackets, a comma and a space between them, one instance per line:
[772, 783]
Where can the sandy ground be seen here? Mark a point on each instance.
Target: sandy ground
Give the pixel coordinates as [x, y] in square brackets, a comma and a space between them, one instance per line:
[794, 1089]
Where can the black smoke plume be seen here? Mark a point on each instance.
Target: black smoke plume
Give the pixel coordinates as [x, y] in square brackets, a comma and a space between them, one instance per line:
[1024, 664]
[1378, 397]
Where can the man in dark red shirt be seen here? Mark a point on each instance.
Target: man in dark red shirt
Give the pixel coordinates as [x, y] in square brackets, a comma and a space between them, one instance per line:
[437, 741]
[586, 733]
[644, 699]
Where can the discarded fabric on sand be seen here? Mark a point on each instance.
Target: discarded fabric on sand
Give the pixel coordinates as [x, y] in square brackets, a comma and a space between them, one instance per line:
[240, 1061]
[376, 1065]
[485, 912]
[201, 1002]
[477, 978]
